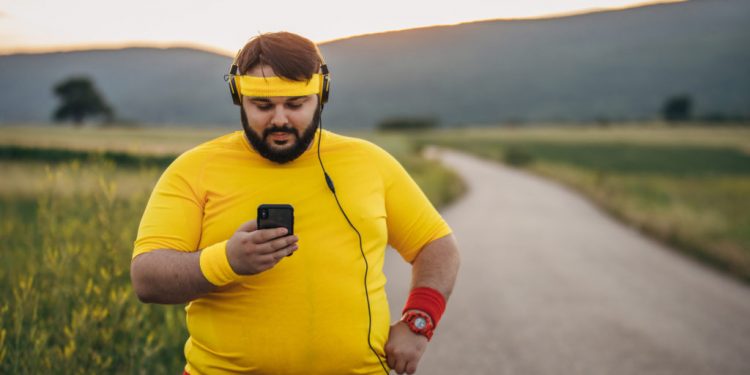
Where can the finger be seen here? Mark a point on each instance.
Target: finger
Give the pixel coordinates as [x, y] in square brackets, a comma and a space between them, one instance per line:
[389, 358]
[400, 364]
[285, 252]
[245, 238]
[266, 261]
[276, 244]
[264, 235]
[411, 367]
[283, 242]
[248, 226]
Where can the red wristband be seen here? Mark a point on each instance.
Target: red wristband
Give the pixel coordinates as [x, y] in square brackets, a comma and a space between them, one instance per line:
[428, 300]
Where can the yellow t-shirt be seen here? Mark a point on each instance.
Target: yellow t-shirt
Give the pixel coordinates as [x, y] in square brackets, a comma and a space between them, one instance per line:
[308, 314]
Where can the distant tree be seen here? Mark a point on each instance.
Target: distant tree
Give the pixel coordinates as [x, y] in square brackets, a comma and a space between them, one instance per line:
[407, 124]
[602, 121]
[80, 99]
[517, 156]
[678, 108]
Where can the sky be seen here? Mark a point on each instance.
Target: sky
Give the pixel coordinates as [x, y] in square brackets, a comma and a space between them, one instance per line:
[225, 25]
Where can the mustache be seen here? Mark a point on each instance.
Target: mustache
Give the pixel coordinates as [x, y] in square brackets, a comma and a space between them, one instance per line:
[280, 129]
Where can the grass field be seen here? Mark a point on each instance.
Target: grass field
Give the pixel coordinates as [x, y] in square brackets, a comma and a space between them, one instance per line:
[67, 302]
[70, 208]
[67, 227]
[687, 186]
[144, 140]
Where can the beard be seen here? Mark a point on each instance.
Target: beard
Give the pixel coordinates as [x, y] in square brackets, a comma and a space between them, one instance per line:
[285, 155]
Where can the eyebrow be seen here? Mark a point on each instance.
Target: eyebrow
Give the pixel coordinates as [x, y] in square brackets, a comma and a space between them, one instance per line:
[266, 100]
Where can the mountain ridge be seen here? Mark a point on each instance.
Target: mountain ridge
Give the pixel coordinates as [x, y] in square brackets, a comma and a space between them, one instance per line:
[617, 65]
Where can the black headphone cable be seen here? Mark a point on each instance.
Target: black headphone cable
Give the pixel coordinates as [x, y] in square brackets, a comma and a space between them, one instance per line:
[329, 182]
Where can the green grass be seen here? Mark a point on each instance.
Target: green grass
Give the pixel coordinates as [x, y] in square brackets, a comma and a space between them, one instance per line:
[60, 155]
[157, 147]
[69, 219]
[441, 185]
[66, 303]
[685, 186]
[156, 140]
[672, 160]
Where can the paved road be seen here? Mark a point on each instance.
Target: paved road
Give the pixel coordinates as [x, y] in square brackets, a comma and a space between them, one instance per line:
[549, 284]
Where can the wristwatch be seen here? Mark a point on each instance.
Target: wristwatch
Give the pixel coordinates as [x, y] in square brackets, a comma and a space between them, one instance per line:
[419, 322]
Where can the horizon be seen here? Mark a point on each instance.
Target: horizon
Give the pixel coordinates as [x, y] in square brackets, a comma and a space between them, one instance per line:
[615, 5]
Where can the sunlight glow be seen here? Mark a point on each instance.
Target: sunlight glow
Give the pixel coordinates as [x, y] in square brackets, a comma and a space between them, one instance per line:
[225, 25]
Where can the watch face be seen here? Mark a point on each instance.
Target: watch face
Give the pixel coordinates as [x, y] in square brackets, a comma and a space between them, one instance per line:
[420, 322]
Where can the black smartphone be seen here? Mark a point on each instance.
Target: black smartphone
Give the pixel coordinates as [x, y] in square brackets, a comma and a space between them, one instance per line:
[275, 216]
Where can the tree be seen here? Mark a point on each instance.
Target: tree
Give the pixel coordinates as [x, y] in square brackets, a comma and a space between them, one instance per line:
[678, 108]
[80, 99]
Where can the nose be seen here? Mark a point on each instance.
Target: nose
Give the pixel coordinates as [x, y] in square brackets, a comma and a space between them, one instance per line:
[279, 116]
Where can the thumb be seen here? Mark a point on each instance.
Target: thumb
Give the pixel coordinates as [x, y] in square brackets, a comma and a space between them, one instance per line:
[248, 226]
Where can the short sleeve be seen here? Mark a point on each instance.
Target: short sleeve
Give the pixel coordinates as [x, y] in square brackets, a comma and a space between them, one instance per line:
[412, 220]
[174, 212]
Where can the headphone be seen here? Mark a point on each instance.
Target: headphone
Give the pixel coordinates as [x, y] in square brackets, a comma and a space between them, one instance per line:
[324, 94]
[237, 98]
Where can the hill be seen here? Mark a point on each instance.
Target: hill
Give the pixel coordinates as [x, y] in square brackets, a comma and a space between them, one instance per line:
[618, 65]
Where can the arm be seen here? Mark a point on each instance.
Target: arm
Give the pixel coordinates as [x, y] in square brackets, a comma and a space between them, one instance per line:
[172, 276]
[436, 266]
[168, 276]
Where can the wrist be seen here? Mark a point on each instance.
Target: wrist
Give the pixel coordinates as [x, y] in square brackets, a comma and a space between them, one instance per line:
[419, 322]
[427, 300]
[215, 266]
[423, 311]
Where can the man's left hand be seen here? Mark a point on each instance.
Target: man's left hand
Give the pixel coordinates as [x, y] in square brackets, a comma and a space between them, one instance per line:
[404, 348]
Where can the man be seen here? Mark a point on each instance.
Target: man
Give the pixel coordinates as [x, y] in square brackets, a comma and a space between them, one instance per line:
[268, 302]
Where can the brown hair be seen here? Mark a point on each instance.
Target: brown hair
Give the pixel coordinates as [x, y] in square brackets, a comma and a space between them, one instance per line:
[289, 55]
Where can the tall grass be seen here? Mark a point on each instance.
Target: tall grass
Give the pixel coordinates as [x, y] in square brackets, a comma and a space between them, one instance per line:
[67, 232]
[67, 302]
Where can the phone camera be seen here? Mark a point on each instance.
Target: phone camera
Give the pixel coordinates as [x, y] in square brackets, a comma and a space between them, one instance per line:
[264, 213]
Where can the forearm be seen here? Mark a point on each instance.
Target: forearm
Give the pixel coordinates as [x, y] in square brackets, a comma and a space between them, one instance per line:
[169, 277]
[436, 266]
[434, 271]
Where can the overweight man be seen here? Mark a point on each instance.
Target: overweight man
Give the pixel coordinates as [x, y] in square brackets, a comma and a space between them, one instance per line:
[267, 301]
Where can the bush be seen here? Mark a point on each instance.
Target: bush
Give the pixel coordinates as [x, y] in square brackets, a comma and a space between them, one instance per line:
[517, 156]
[407, 124]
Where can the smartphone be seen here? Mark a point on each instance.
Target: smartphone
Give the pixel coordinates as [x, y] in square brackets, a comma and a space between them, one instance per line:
[275, 216]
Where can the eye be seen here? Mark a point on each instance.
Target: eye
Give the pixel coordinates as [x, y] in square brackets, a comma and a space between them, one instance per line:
[264, 107]
[294, 105]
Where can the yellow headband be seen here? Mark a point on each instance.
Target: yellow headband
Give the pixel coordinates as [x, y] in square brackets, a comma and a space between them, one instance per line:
[277, 86]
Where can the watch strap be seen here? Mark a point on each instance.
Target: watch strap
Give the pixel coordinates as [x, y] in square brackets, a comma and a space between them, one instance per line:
[412, 318]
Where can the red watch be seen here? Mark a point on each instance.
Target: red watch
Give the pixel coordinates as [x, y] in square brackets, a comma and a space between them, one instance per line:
[419, 322]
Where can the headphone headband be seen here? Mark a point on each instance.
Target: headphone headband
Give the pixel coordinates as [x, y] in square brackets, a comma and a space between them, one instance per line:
[240, 85]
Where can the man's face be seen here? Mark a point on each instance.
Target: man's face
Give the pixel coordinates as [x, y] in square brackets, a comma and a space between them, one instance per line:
[280, 128]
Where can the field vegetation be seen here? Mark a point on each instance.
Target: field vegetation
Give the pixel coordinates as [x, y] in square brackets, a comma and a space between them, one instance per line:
[687, 186]
[71, 199]
[70, 203]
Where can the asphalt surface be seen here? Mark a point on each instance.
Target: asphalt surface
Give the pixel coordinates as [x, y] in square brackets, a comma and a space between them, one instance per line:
[549, 284]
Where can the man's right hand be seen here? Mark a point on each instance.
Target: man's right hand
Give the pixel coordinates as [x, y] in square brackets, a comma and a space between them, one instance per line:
[251, 251]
